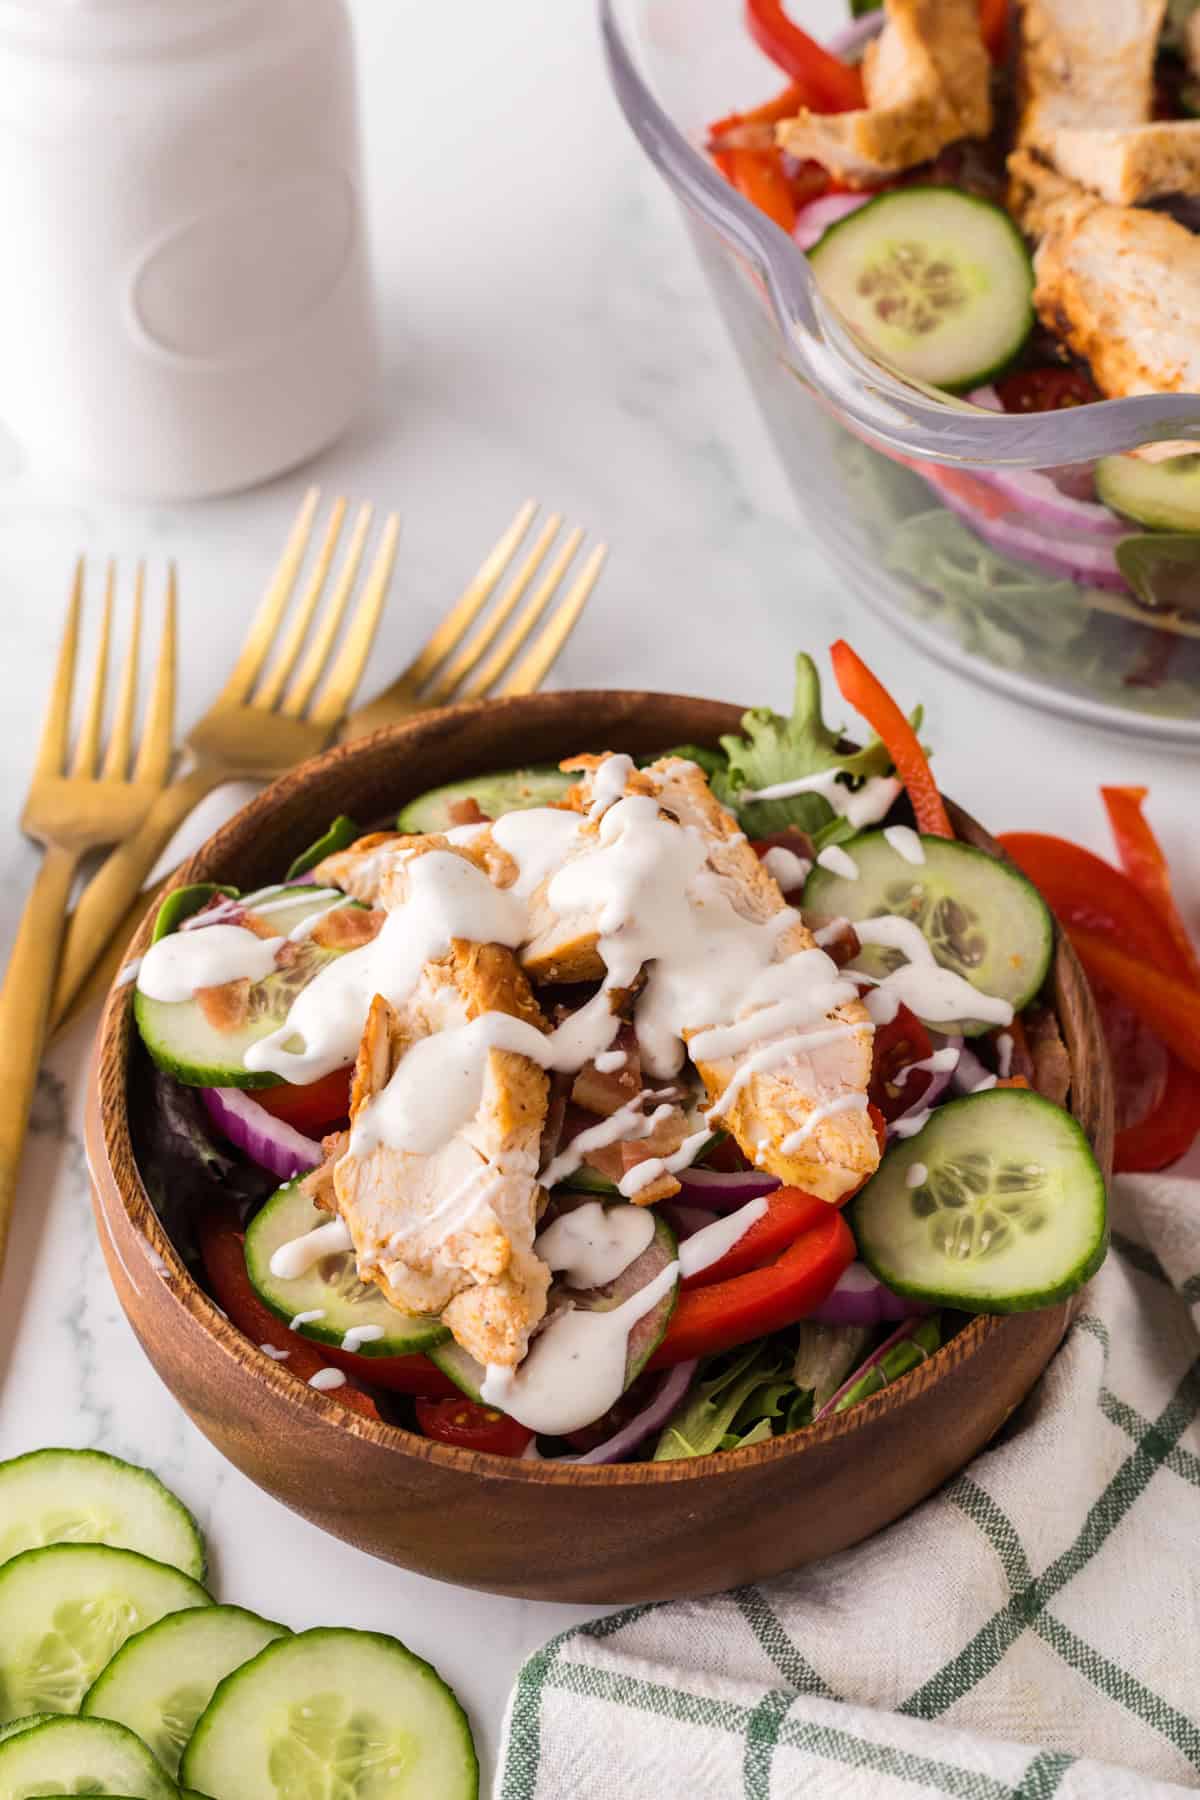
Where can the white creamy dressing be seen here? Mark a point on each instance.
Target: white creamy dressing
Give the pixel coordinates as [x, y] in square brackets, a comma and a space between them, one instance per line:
[592, 1244]
[626, 1125]
[864, 806]
[274, 1354]
[538, 840]
[129, 973]
[936, 995]
[836, 860]
[712, 1242]
[358, 1335]
[905, 842]
[325, 1380]
[790, 871]
[940, 1063]
[306, 1318]
[575, 1370]
[981, 1087]
[179, 965]
[909, 1127]
[643, 1173]
[609, 1061]
[308, 925]
[844, 1103]
[1004, 1053]
[609, 783]
[299, 1255]
[916, 1175]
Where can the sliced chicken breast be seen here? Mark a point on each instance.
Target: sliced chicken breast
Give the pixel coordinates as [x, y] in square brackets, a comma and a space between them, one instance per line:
[362, 870]
[1117, 284]
[828, 1152]
[927, 84]
[451, 1231]
[1085, 66]
[1131, 163]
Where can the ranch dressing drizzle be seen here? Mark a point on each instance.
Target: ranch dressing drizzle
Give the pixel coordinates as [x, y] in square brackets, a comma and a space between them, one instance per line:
[626, 1125]
[905, 842]
[835, 859]
[916, 1175]
[936, 995]
[538, 840]
[325, 1380]
[609, 1061]
[710, 1244]
[790, 871]
[609, 783]
[940, 1063]
[844, 1103]
[358, 1335]
[299, 1255]
[866, 806]
[179, 965]
[593, 1244]
[642, 1174]
[575, 1369]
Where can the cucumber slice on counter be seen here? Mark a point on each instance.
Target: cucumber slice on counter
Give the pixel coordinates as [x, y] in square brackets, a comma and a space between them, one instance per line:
[513, 791]
[84, 1496]
[347, 1712]
[81, 1756]
[996, 1205]
[182, 1041]
[647, 1333]
[980, 917]
[66, 1610]
[161, 1680]
[1164, 495]
[331, 1287]
[936, 280]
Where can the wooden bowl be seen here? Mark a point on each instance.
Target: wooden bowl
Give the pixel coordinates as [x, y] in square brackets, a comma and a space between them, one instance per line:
[633, 1532]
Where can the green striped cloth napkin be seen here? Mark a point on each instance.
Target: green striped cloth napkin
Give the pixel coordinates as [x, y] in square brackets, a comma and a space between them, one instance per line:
[1031, 1631]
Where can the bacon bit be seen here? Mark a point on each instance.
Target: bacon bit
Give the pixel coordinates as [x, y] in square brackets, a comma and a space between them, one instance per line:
[607, 1093]
[347, 927]
[262, 928]
[227, 1007]
[843, 948]
[467, 811]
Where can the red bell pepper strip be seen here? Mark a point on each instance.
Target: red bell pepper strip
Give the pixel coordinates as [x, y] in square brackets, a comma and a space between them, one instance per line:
[758, 176]
[733, 1312]
[312, 1108]
[784, 106]
[225, 1265]
[1143, 861]
[1083, 890]
[826, 84]
[867, 695]
[472, 1427]
[790, 1213]
[1166, 1133]
[1161, 1000]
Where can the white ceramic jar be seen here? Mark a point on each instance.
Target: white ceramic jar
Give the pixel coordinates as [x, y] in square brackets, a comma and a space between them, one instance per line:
[184, 301]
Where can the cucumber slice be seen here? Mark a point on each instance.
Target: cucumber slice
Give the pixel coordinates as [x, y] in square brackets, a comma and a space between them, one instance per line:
[512, 791]
[936, 280]
[1164, 495]
[15, 1726]
[334, 1712]
[161, 1679]
[1006, 1211]
[183, 1042]
[66, 1610]
[86, 1497]
[646, 1335]
[332, 1287]
[81, 1756]
[980, 917]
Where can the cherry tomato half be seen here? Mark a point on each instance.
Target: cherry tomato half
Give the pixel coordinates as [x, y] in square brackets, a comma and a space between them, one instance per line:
[1046, 390]
[472, 1427]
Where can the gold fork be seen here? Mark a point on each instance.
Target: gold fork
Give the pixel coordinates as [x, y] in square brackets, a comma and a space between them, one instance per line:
[260, 724]
[71, 809]
[457, 665]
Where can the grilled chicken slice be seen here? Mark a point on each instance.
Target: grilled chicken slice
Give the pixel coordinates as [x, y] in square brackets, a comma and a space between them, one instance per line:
[451, 1231]
[771, 1106]
[927, 84]
[1085, 66]
[1117, 284]
[1131, 163]
[362, 870]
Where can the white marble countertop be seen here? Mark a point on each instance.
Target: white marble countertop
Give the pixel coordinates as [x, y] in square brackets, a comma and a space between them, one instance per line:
[546, 333]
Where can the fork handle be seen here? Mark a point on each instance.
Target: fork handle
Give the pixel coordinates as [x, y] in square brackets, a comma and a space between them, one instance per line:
[24, 1001]
[117, 883]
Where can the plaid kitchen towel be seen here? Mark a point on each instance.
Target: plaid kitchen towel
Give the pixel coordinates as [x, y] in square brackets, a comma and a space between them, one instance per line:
[1031, 1631]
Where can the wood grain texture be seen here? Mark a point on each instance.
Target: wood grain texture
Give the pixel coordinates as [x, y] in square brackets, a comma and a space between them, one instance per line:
[638, 1531]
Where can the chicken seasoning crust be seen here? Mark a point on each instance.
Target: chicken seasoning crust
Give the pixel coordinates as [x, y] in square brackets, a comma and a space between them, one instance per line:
[597, 1074]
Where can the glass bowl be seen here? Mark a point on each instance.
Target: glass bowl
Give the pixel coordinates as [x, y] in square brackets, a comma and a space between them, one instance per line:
[981, 553]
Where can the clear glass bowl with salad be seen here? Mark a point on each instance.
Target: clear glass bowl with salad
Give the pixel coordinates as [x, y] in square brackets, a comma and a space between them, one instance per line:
[627, 1108]
[974, 336]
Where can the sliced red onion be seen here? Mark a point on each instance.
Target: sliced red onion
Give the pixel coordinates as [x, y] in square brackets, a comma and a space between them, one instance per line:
[266, 1140]
[850, 40]
[686, 1221]
[858, 1299]
[856, 1375]
[931, 1093]
[814, 220]
[653, 1417]
[714, 1188]
[1071, 555]
[971, 1074]
[1039, 493]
